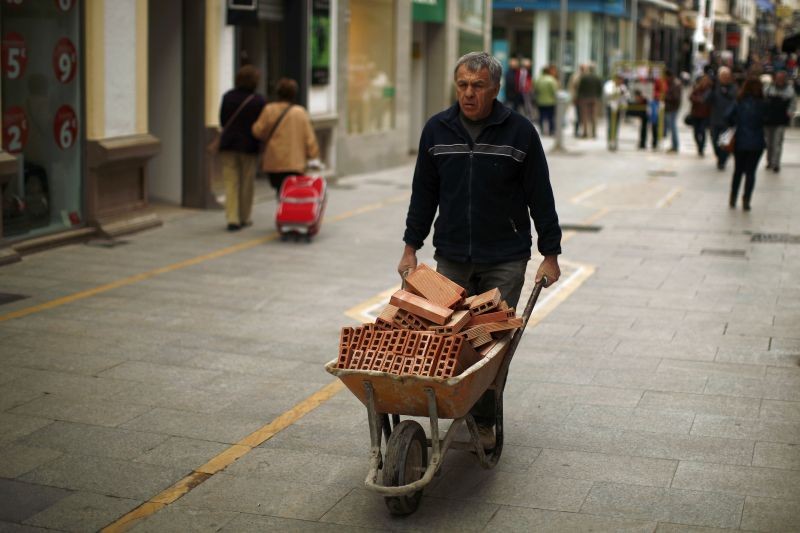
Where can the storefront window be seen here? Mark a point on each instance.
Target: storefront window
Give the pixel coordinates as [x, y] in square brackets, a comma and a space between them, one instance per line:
[470, 14]
[41, 119]
[371, 76]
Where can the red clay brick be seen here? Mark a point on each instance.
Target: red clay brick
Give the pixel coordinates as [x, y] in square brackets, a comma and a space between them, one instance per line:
[494, 316]
[433, 286]
[421, 307]
[485, 302]
[457, 322]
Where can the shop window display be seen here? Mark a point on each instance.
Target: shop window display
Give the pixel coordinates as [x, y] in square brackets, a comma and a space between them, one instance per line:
[371, 70]
[41, 119]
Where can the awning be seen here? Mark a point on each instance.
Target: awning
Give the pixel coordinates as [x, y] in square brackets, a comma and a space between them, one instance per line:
[663, 4]
[765, 5]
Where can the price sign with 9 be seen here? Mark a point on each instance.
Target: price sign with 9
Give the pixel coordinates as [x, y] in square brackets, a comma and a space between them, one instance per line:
[65, 127]
[15, 129]
[65, 60]
[15, 55]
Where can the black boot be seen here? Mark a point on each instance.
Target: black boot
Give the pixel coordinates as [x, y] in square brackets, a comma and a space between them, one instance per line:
[732, 200]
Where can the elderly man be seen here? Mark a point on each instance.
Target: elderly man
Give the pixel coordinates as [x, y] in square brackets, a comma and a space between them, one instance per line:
[781, 101]
[482, 166]
[722, 98]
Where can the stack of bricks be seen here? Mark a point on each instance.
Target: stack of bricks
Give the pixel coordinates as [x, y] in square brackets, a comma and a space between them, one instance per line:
[428, 329]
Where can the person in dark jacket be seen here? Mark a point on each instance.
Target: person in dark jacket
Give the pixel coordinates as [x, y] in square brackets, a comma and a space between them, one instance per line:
[700, 111]
[482, 166]
[722, 99]
[781, 101]
[672, 103]
[589, 92]
[238, 148]
[748, 117]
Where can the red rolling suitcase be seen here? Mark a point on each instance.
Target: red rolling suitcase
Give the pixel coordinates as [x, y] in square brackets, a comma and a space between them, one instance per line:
[300, 206]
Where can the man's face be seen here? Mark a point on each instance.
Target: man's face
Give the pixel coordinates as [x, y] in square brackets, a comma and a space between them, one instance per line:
[475, 92]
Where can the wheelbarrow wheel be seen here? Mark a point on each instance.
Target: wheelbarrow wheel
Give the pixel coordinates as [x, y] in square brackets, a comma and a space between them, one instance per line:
[405, 462]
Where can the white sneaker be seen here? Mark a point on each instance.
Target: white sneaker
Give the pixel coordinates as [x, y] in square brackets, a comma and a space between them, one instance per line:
[486, 435]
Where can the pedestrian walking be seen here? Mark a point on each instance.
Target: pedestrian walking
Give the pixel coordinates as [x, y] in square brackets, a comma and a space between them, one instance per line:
[545, 91]
[722, 98]
[672, 104]
[525, 88]
[639, 108]
[289, 139]
[483, 168]
[590, 89]
[238, 148]
[748, 118]
[513, 99]
[700, 112]
[656, 107]
[615, 94]
[781, 100]
[572, 86]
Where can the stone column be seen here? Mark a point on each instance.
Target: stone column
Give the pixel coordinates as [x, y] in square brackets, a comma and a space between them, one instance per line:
[541, 41]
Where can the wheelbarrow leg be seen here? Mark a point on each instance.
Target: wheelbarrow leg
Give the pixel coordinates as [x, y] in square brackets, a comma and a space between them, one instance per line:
[375, 424]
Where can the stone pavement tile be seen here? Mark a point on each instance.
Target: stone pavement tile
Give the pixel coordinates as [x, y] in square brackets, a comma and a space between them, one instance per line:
[181, 396]
[709, 340]
[325, 437]
[81, 439]
[101, 475]
[254, 495]
[606, 362]
[82, 512]
[19, 500]
[647, 380]
[542, 412]
[522, 489]
[760, 330]
[98, 412]
[604, 467]
[64, 361]
[270, 399]
[248, 523]
[768, 514]
[301, 467]
[366, 509]
[12, 396]
[163, 374]
[777, 455]
[643, 332]
[775, 409]
[71, 384]
[746, 428]
[672, 350]
[174, 519]
[700, 403]
[182, 453]
[782, 358]
[784, 374]
[9, 373]
[13, 426]
[683, 447]
[630, 418]
[734, 479]
[214, 427]
[245, 364]
[10, 527]
[16, 460]
[556, 329]
[541, 521]
[556, 374]
[515, 458]
[785, 344]
[688, 507]
[584, 394]
[712, 368]
[521, 432]
[770, 388]
[665, 527]
[65, 342]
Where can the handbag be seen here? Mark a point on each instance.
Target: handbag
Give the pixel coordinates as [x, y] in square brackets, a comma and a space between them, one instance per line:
[727, 140]
[213, 146]
[689, 120]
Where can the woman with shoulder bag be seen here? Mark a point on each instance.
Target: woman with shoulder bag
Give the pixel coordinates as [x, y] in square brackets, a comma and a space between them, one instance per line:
[289, 139]
[748, 118]
[238, 148]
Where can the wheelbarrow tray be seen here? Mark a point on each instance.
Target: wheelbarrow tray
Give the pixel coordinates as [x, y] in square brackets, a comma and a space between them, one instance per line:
[405, 395]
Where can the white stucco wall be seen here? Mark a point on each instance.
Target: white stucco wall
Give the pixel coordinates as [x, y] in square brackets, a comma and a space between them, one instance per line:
[120, 67]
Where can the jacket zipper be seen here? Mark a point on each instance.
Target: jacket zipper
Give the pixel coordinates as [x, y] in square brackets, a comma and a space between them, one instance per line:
[513, 225]
[469, 204]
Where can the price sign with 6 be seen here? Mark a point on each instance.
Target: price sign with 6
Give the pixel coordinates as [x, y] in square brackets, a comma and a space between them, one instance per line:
[15, 129]
[15, 55]
[65, 127]
[65, 60]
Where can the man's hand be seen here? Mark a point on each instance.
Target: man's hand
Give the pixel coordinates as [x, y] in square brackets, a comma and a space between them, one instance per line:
[549, 269]
[408, 263]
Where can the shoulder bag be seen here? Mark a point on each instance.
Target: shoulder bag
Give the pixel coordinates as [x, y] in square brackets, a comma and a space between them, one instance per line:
[213, 146]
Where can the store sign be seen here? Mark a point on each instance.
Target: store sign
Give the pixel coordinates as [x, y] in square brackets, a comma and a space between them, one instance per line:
[320, 42]
[65, 60]
[15, 130]
[15, 55]
[429, 10]
[65, 127]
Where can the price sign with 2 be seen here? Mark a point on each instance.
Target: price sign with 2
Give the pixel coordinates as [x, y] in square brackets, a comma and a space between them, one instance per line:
[65, 60]
[15, 129]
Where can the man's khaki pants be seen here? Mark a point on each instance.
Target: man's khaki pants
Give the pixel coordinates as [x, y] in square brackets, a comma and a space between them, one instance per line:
[239, 174]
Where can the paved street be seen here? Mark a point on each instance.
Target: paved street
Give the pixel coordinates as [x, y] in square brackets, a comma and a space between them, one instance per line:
[659, 389]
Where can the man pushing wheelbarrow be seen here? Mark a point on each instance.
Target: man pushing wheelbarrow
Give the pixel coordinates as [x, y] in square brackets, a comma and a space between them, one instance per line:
[443, 345]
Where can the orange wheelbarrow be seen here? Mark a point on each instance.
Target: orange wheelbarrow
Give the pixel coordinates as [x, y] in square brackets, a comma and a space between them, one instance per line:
[405, 467]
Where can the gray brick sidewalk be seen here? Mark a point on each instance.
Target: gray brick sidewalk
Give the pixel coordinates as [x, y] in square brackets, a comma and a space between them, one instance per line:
[661, 395]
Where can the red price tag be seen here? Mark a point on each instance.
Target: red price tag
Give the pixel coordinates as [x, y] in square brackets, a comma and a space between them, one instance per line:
[65, 5]
[65, 127]
[15, 129]
[65, 60]
[15, 55]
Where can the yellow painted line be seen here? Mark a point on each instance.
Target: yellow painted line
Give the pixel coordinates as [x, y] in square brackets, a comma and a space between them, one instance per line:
[224, 459]
[558, 293]
[588, 192]
[136, 278]
[361, 312]
[671, 195]
[599, 214]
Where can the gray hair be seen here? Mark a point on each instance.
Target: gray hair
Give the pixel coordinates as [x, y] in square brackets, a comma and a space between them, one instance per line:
[477, 61]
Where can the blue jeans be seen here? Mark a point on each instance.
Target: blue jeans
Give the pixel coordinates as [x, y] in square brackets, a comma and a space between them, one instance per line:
[670, 125]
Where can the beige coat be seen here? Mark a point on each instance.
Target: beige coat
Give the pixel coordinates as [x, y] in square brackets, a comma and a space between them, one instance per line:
[292, 143]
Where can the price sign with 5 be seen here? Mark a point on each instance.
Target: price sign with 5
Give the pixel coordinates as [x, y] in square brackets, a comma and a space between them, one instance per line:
[65, 127]
[15, 55]
[65, 60]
